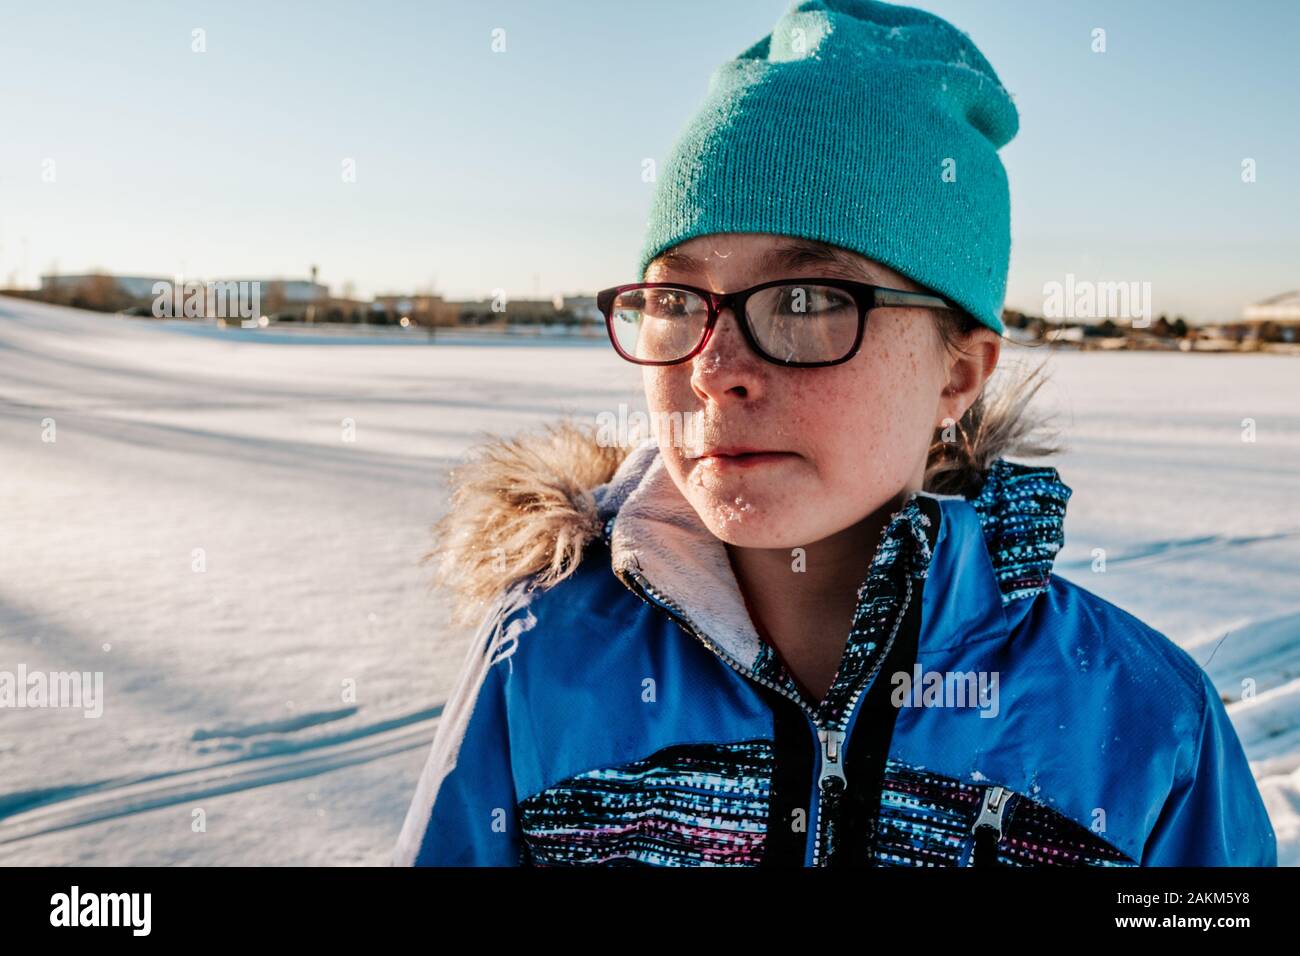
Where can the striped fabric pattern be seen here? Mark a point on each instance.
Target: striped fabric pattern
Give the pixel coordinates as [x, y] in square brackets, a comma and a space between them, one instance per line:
[926, 820]
[1022, 510]
[686, 805]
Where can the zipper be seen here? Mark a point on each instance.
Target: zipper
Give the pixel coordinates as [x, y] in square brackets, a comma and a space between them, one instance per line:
[830, 772]
[987, 829]
[833, 740]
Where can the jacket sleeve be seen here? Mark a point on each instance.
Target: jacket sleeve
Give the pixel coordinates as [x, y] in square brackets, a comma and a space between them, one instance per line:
[1215, 816]
[463, 811]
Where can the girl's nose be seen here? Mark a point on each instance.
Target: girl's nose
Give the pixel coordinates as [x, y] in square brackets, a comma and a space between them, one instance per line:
[726, 364]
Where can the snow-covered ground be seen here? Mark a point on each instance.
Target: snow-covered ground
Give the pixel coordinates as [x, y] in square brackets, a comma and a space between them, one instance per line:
[230, 529]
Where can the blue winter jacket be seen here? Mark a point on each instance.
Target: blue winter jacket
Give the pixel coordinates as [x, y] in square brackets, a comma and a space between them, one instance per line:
[986, 712]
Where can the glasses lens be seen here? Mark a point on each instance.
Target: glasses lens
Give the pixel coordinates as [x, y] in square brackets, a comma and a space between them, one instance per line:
[658, 325]
[804, 323]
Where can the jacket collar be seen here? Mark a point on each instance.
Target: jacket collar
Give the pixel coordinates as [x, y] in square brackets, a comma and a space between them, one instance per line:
[995, 550]
[655, 535]
[991, 550]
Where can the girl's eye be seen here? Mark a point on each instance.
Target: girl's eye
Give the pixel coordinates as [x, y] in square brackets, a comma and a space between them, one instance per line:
[810, 300]
[668, 300]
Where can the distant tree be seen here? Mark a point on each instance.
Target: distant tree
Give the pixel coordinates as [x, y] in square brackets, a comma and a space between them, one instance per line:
[272, 298]
[100, 293]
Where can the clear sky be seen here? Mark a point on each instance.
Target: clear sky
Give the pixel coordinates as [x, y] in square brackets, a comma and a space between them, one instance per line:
[521, 170]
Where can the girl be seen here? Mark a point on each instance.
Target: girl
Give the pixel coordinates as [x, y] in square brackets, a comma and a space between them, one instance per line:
[812, 620]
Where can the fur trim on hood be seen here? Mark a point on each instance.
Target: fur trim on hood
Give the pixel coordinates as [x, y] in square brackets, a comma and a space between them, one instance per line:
[524, 506]
[520, 506]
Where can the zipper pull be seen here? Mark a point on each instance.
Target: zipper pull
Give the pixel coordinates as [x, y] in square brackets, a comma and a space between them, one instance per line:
[992, 808]
[988, 825]
[832, 760]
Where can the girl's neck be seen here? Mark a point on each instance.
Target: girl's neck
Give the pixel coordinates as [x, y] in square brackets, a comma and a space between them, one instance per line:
[803, 604]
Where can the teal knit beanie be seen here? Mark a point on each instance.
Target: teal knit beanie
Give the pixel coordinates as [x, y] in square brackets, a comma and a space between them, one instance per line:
[865, 125]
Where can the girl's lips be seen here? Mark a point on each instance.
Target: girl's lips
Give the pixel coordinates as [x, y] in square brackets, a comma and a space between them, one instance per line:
[746, 460]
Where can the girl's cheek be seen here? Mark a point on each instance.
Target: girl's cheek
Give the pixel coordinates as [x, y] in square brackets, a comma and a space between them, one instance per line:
[652, 381]
[668, 389]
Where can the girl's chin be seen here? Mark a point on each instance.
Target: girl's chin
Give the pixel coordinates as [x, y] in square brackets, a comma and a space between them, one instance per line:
[740, 535]
[744, 519]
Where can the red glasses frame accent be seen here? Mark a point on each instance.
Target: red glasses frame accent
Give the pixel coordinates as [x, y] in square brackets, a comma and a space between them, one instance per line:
[865, 295]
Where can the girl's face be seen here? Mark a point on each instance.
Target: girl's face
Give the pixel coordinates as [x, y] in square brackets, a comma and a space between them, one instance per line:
[853, 438]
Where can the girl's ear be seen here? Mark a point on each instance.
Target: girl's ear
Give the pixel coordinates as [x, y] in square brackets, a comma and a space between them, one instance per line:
[969, 368]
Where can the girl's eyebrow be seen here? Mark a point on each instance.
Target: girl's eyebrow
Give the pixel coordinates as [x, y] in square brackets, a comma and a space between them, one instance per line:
[788, 257]
[798, 255]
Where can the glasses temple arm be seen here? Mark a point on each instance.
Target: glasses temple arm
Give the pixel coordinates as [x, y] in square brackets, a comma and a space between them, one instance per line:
[897, 297]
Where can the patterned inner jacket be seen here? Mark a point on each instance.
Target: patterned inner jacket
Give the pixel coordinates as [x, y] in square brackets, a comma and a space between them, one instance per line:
[617, 707]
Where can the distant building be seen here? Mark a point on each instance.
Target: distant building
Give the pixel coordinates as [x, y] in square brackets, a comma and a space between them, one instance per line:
[581, 307]
[285, 292]
[420, 309]
[1065, 333]
[133, 287]
[1276, 319]
[507, 310]
[290, 292]
[307, 300]
[1280, 308]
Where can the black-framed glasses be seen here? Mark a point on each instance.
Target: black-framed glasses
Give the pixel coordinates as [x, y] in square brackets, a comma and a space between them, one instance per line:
[800, 323]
